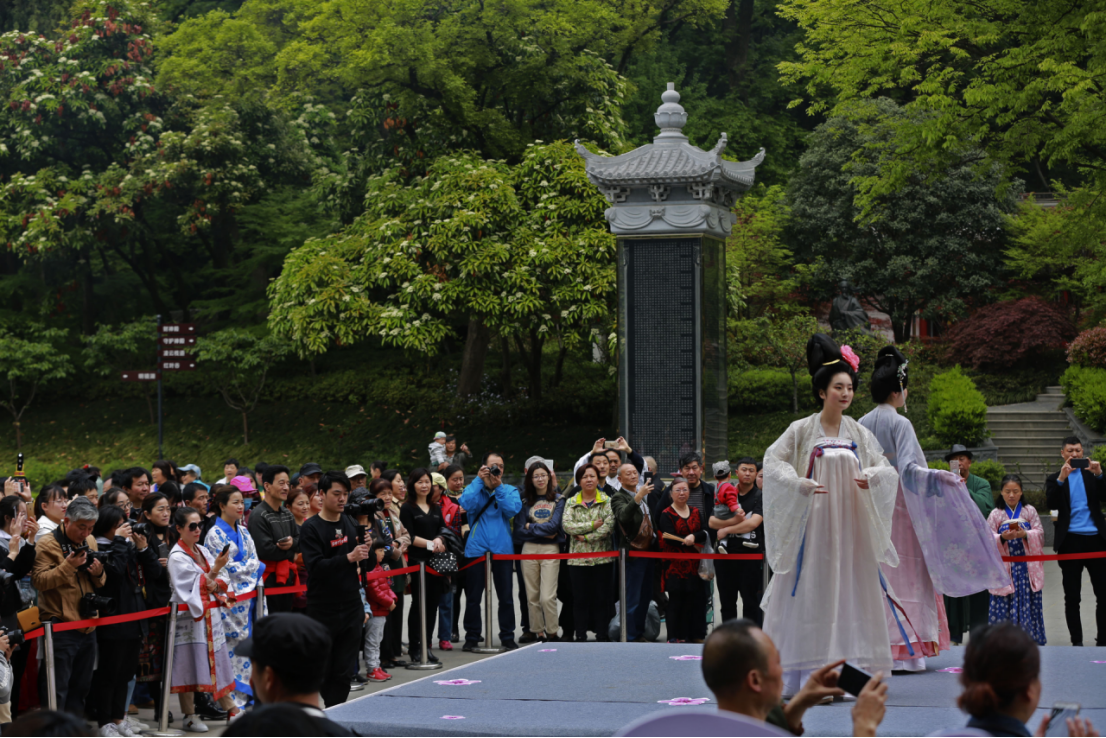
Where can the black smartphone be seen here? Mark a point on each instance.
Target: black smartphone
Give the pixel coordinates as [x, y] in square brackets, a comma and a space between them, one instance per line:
[648, 477]
[1058, 716]
[1080, 463]
[225, 549]
[852, 679]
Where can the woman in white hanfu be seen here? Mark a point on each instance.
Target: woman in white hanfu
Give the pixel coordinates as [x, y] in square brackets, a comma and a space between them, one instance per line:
[200, 659]
[829, 495]
[944, 546]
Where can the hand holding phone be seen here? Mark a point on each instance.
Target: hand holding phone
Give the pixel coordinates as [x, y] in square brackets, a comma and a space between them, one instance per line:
[1061, 712]
[1080, 463]
[852, 679]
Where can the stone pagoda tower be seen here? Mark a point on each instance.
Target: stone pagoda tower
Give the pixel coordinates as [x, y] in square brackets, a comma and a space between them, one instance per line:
[670, 209]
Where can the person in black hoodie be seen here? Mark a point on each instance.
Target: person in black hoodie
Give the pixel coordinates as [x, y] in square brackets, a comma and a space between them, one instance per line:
[119, 644]
[17, 549]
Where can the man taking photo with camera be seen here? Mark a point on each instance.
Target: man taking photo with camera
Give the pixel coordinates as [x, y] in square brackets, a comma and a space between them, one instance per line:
[66, 574]
[490, 504]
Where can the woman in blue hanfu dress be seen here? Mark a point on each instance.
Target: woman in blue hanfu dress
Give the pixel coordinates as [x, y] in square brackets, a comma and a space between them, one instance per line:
[244, 570]
[829, 496]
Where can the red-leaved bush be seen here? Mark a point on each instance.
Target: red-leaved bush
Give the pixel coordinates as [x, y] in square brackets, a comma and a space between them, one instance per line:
[1001, 335]
[1089, 348]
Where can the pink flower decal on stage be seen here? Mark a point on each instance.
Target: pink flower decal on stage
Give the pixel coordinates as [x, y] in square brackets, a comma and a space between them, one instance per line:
[685, 701]
[453, 717]
[1098, 662]
[951, 670]
[850, 357]
[458, 682]
[546, 650]
[686, 658]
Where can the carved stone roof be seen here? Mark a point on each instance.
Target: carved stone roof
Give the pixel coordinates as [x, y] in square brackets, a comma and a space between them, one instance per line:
[671, 158]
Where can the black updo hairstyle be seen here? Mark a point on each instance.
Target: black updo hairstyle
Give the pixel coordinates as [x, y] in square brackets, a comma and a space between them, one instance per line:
[824, 362]
[885, 377]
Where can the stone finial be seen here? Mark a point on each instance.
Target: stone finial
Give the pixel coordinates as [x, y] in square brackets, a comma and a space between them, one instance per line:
[670, 116]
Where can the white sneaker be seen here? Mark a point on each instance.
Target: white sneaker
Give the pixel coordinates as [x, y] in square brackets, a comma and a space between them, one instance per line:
[193, 724]
[124, 730]
[135, 724]
[109, 730]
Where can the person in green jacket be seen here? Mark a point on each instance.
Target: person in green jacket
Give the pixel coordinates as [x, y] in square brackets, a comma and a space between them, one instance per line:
[966, 613]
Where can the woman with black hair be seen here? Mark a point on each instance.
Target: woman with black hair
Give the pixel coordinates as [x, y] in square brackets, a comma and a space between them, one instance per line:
[161, 472]
[17, 549]
[538, 528]
[119, 644]
[944, 546]
[829, 496]
[423, 519]
[49, 509]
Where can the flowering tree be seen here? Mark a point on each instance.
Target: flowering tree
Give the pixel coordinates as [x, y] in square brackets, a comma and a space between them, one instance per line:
[101, 166]
[522, 251]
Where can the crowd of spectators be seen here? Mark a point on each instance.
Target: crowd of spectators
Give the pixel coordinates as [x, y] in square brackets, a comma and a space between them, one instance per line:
[139, 539]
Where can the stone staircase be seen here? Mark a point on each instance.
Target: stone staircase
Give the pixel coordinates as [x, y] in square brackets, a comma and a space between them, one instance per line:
[1029, 436]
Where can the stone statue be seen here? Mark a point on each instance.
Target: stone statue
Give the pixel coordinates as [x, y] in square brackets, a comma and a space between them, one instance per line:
[846, 312]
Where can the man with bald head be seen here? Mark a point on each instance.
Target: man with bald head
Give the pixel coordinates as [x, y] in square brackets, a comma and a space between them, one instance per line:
[634, 531]
[741, 666]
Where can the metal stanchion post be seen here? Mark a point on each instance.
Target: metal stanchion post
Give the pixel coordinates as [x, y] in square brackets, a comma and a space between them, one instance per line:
[162, 728]
[48, 657]
[622, 554]
[423, 664]
[260, 609]
[487, 647]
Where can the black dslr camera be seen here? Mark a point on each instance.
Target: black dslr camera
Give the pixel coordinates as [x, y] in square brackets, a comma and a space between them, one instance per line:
[92, 605]
[15, 636]
[369, 506]
[143, 529]
[90, 556]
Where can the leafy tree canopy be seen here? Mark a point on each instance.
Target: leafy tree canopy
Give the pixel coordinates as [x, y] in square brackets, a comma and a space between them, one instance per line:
[935, 245]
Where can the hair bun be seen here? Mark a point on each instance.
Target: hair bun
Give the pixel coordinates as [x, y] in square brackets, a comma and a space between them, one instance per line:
[821, 350]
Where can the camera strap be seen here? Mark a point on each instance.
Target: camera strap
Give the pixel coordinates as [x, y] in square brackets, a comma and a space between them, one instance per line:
[472, 525]
[66, 549]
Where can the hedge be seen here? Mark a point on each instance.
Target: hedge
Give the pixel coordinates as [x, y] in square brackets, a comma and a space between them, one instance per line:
[957, 410]
[767, 390]
[1085, 388]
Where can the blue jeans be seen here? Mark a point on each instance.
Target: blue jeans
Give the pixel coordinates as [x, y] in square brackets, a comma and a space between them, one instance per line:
[502, 574]
[639, 593]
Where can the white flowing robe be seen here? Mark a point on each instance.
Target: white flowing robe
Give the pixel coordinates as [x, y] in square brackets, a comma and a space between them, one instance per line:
[200, 659]
[829, 604]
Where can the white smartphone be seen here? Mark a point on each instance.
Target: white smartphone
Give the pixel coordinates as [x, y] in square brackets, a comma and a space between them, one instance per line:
[954, 466]
[1058, 717]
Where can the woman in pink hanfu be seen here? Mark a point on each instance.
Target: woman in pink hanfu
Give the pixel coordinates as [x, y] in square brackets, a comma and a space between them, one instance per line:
[943, 544]
[1017, 531]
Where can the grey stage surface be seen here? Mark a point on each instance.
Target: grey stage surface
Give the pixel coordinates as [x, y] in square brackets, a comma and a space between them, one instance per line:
[596, 688]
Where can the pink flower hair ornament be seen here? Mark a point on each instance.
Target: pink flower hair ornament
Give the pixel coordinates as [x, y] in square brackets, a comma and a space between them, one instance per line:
[849, 356]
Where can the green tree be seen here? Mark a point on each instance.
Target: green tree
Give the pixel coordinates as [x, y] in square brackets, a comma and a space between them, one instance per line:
[30, 357]
[786, 339]
[128, 346]
[522, 251]
[933, 246]
[239, 363]
[763, 273]
[1020, 82]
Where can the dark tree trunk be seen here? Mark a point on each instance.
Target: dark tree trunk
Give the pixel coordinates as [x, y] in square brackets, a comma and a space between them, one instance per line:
[794, 393]
[558, 371]
[245, 428]
[738, 25]
[472, 361]
[532, 359]
[88, 298]
[505, 367]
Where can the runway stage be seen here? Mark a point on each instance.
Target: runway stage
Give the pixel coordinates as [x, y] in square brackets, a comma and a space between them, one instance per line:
[596, 688]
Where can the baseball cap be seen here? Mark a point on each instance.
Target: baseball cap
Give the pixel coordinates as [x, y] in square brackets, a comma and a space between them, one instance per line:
[438, 479]
[192, 468]
[285, 638]
[439, 434]
[310, 468]
[355, 470]
[243, 484]
[721, 469]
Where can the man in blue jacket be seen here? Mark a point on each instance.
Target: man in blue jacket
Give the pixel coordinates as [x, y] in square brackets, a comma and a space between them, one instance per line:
[490, 504]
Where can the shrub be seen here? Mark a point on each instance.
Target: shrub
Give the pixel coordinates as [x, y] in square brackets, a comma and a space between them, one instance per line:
[1003, 334]
[957, 410]
[1085, 388]
[761, 390]
[1089, 348]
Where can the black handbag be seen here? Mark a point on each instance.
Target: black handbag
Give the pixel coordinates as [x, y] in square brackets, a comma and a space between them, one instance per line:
[443, 562]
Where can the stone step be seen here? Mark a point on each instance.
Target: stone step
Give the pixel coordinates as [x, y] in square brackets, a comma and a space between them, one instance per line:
[1045, 433]
[1054, 390]
[1028, 415]
[1043, 420]
[1058, 399]
[1024, 436]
